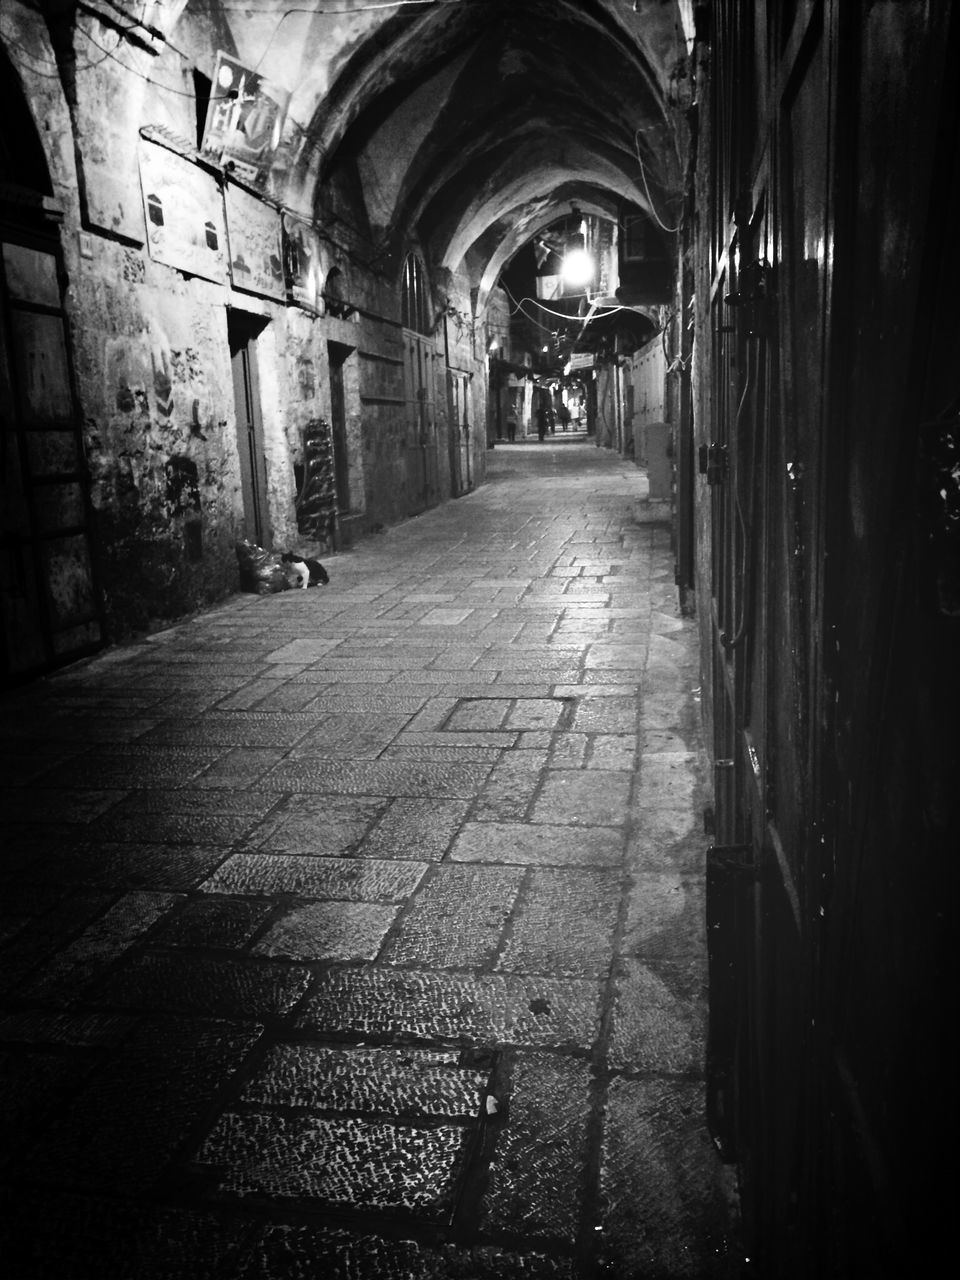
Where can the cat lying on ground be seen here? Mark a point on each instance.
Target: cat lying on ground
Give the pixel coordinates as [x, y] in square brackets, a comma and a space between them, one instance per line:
[317, 573]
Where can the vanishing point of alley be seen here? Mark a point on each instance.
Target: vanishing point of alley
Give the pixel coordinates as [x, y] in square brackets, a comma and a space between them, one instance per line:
[358, 931]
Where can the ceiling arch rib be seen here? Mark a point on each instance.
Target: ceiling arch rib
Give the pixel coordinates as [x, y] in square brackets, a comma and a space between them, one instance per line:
[437, 168]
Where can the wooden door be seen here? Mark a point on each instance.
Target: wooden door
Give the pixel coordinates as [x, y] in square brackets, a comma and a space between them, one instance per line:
[243, 331]
[337, 354]
[461, 428]
[419, 355]
[51, 608]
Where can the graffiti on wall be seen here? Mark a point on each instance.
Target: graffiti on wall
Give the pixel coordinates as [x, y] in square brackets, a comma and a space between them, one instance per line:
[151, 378]
[306, 377]
[317, 500]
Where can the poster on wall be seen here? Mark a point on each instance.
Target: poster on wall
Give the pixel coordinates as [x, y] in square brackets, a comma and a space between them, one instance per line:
[256, 253]
[301, 254]
[244, 122]
[183, 212]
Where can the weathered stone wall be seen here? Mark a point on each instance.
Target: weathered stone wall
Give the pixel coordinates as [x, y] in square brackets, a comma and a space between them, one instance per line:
[151, 345]
[154, 382]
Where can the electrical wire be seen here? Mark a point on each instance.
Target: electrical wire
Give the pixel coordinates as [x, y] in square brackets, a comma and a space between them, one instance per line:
[52, 75]
[359, 8]
[643, 177]
[563, 315]
[180, 93]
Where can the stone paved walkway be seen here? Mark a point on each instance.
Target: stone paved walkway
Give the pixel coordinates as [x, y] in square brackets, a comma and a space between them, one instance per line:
[357, 932]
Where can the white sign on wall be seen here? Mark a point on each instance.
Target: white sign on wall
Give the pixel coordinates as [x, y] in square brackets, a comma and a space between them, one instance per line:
[256, 252]
[183, 213]
[581, 360]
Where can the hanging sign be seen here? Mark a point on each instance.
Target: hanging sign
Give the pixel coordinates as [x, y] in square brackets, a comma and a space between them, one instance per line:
[581, 360]
[183, 211]
[301, 256]
[244, 121]
[256, 254]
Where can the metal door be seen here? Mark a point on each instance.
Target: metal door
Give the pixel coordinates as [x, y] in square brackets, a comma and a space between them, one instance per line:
[770, 385]
[51, 608]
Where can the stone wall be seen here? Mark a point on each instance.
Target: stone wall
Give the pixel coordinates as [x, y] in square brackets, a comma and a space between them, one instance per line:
[151, 347]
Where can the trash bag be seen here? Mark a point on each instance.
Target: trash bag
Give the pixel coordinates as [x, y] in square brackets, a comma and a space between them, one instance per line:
[261, 572]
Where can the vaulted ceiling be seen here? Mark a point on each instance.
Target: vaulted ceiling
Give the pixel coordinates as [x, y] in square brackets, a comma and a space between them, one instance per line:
[469, 125]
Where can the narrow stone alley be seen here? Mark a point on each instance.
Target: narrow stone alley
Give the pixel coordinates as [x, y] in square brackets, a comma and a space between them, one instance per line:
[359, 932]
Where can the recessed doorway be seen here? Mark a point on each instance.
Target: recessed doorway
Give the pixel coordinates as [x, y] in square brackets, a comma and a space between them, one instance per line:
[243, 331]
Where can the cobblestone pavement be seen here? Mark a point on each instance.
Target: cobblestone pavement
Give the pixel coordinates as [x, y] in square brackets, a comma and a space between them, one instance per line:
[358, 931]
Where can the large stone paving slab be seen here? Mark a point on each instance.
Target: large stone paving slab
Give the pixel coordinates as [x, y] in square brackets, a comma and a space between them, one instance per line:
[607, 713]
[223, 923]
[399, 1081]
[478, 713]
[538, 1167]
[42, 935]
[415, 829]
[328, 931]
[191, 984]
[328, 826]
[583, 797]
[186, 827]
[457, 918]
[659, 1019]
[511, 787]
[665, 1213]
[124, 866]
[238, 767]
[101, 943]
[301, 1253]
[339, 879]
[528, 844]
[346, 1161]
[134, 766]
[236, 729]
[384, 778]
[350, 735]
[421, 1005]
[564, 924]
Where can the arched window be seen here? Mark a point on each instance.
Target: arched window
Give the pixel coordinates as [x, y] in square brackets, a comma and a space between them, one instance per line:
[415, 309]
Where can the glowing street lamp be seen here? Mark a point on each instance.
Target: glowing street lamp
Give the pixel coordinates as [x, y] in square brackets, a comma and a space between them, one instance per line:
[578, 267]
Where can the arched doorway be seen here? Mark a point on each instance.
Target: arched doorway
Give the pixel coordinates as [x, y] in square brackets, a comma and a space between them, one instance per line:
[50, 608]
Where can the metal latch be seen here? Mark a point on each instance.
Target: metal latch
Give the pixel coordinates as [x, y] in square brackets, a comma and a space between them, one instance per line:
[713, 462]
